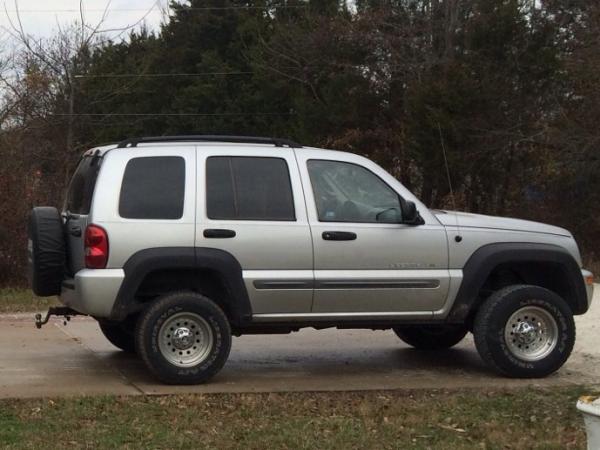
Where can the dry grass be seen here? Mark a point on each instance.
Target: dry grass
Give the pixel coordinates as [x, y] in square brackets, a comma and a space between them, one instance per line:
[364, 420]
[23, 300]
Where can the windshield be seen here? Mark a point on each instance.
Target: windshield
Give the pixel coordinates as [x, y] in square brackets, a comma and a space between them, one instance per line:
[81, 188]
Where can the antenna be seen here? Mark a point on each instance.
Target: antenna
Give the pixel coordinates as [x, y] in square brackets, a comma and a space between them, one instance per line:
[458, 236]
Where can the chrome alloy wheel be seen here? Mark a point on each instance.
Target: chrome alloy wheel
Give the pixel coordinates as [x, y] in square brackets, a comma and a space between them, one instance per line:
[185, 339]
[531, 333]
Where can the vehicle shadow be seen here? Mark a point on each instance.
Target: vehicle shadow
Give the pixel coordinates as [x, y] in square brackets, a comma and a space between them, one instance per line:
[328, 369]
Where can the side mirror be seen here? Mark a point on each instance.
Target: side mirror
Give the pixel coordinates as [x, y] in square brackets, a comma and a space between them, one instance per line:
[389, 215]
[410, 214]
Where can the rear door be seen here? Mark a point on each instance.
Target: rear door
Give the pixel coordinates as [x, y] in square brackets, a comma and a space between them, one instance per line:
[77, 209]
[250, 204]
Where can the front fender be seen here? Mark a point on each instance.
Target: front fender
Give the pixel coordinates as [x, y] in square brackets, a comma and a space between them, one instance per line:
[483, 261]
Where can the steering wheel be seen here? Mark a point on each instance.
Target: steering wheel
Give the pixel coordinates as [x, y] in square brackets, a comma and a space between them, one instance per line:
[349, 212]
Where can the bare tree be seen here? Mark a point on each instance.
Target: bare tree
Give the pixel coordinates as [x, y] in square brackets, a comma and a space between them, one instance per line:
[39, 118]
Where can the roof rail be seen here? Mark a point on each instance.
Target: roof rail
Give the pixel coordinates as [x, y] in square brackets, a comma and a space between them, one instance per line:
[133, 142]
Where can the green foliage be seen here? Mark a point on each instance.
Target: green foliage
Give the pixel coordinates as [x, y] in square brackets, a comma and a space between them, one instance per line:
[508, 88]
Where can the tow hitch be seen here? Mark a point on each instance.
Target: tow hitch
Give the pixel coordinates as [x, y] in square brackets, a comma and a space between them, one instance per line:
[64, 311]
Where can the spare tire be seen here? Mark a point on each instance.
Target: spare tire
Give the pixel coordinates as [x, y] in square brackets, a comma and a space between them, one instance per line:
[46, 251]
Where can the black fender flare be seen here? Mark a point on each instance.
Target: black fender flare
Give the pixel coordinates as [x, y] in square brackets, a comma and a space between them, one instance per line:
[481, 263]
[219, 261]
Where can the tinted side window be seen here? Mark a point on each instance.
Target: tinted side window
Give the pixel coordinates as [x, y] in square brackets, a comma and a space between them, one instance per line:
[219, 189]
[153, 188]
[346, 192]
[81, 188]
[248, 188]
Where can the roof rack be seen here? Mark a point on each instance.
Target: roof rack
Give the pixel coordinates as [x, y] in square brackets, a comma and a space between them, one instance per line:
[133, 142]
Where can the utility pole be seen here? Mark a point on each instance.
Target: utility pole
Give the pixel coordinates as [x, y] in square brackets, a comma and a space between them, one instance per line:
[70, 126]
[71, 117]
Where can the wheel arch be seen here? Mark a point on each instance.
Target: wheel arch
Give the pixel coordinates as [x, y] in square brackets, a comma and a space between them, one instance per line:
[212, 272]
[494, 266]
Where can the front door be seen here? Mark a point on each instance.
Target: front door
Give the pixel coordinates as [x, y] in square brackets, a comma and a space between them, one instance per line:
[365, 259]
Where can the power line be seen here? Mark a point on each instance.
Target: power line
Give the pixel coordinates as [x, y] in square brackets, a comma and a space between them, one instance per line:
[135, 75]
[208, 8]
[173, 114]
[224, 73]
[53, 11]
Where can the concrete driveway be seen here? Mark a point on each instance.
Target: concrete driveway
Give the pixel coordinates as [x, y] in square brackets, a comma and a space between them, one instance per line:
[77, 360]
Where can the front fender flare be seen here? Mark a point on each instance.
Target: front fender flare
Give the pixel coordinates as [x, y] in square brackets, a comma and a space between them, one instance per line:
[481, 263]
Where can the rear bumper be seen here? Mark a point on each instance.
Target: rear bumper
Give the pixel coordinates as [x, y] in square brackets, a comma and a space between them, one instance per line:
[588, 279]
[92, 291]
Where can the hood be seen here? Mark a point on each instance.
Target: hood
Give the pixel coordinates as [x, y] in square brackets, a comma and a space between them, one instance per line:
[468, 220]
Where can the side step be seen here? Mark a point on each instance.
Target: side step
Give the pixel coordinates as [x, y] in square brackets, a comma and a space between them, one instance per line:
[64, 311]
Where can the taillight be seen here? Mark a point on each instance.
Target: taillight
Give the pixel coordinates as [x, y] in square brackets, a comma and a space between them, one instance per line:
[96, 247]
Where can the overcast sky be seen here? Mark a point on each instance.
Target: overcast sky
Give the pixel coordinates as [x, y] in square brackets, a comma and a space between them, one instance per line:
[40, 18]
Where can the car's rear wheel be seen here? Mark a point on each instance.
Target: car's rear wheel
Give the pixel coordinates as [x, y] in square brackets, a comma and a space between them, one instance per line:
[524, 331]
[183, 338]
[121, 335]
[431, 337]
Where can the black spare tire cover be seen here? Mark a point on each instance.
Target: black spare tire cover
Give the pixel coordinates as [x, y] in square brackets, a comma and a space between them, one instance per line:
[46, 251]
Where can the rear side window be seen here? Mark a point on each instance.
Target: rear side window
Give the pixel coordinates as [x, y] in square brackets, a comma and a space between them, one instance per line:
[81, 188]
[153, 188]
[248, 188]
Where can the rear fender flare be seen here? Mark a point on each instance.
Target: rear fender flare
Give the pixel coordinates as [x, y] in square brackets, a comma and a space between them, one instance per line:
[140, 264]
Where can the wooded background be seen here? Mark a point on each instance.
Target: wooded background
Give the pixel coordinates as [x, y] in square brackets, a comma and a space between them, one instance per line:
[510, 89]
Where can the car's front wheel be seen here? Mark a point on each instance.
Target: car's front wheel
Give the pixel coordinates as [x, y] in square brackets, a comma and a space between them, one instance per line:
[524, 331]
[183, 338]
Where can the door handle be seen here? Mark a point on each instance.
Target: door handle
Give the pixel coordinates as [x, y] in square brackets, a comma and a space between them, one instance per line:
[218, 233]
[75, 231]
[338, 236]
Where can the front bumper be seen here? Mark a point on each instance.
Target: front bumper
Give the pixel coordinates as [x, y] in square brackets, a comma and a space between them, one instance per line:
[588, 278]
[92, 291]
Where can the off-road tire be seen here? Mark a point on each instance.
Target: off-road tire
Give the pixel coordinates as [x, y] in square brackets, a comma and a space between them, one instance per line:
[162, 310]
[46, 251]
[431, 337]
[120, 335]
[491, 320]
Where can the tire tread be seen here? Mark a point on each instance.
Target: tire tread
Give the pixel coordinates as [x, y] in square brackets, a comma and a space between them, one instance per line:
[484, 320]
[143, 324]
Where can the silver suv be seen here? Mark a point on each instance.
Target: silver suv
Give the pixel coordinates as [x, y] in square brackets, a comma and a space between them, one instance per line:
[174, 244]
